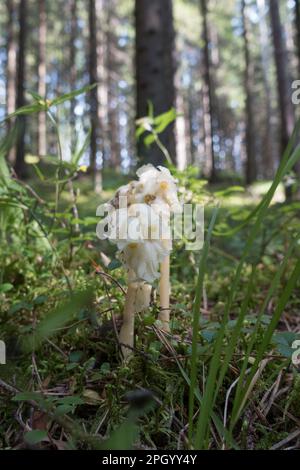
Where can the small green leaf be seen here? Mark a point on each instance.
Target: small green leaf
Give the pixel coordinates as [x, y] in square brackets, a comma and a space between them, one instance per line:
[114, 264]
[24, 110]
[40, 299]
[149, 140]
[75, 356]
[35, 436]
[140, 131]
[69, 96]
[284, 341]
[208, 335]
[74, 400]
[5, 287]
[27, 396]
[58, 318]
[35, 95]
[20, 306]
[71, 366]
[63, 410]
[90, 221]
[105, 368]
[163, 120]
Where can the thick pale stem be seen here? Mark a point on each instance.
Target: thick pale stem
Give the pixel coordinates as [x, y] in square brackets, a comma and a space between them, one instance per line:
[137, 300]
[164, 292]
[126, 336]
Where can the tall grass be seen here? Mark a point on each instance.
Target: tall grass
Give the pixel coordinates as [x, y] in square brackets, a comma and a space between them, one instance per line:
[223, 352]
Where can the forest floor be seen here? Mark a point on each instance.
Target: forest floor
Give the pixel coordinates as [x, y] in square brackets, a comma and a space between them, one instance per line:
[66, 387]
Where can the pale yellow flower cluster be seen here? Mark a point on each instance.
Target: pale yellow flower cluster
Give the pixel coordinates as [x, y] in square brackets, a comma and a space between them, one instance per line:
[141, 229]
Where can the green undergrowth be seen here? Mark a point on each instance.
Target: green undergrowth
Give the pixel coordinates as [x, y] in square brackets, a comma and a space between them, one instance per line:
[223, 379]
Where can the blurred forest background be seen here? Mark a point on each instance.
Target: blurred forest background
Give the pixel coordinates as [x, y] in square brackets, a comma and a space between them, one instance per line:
[226, 69]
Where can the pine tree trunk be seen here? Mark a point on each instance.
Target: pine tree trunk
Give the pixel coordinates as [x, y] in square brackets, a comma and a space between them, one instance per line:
[42, 131]
[73, 36]
[181, 149]
[155, 70]
[112, 102]
[287, 115]
[20, 166]
[102, 40]
[11, 60]
[248, 83]
[210, 169]
[190, 125]
[268, 148]
[94, 104]
[11, 70]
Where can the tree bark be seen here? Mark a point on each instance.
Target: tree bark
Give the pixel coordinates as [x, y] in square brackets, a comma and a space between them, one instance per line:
[73, 36]
[268, 148]
[20, 166]
[102, 41]
[190, 104]
[181, 133]
[155, 70]
[42, 131]
[248, 84]
[94, 103]
[11, 60]
[112, 99]
[11, 70]
[286, 109]
[210, 169]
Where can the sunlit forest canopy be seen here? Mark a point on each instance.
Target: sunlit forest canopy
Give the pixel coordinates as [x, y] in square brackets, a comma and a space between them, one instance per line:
[218, 67]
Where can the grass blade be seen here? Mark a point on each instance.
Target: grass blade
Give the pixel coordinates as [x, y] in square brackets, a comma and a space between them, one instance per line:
[275, 282]
[196, 317]
[211, 391]
[269, 332]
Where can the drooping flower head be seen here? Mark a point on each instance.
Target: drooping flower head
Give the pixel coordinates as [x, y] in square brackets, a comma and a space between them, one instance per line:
[157, 185]
[142, 237]
[127, 191]
[141, 229]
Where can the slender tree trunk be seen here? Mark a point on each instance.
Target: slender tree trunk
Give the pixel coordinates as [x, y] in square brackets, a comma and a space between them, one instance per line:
[190, 103]
[11, 60]
[215, 53]
[287, 115]
[11, 70]
[248, 83]
[181, 150]
[199, 134]
[20, 166]
[268, 160]
[184, 130]
[297, 24]
[42, 131]
[102, 39]
[155, 69]
[187, 129]
[73, 36]
[93, 79]
[112, 101]
[210, 169]
[94, 104]
[101, 73]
